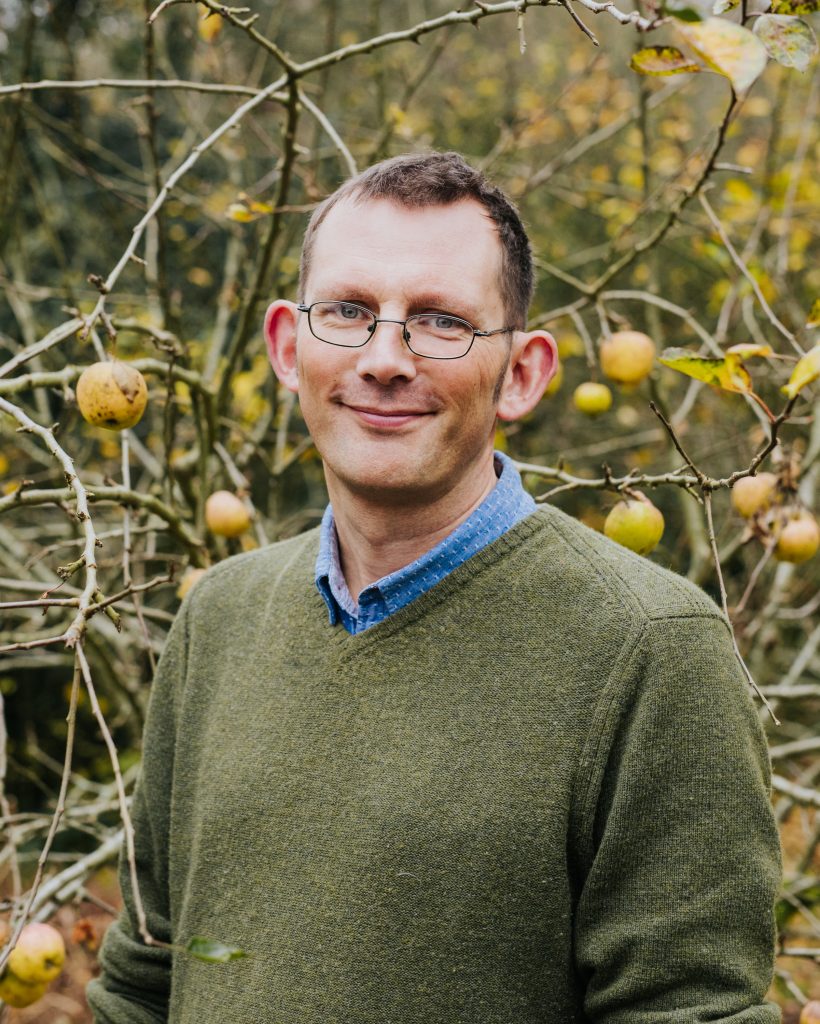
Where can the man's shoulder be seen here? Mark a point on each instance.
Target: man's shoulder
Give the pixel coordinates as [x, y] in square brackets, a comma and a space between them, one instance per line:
[261, 567]
[580, 563]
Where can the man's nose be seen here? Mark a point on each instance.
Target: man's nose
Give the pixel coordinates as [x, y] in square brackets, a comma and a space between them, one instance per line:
[386, 356]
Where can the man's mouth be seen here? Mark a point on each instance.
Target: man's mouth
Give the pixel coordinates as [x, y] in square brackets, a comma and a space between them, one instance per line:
[387, 418]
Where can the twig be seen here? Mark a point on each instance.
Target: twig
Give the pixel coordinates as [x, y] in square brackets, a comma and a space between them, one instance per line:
[710, 527]
[568, 8]
[703, 480]
[5, 808]
[800, 794]
[675, 209]
[75, 487]
[118, 495]
[125, 814]
[247, 319]
[65, 330]
[58, 810]
[336, 139]
[755, 576]
[175, 84]
[740, 264]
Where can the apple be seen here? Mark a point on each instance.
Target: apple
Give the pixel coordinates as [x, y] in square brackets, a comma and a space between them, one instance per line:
[112, 394]
[38, 956]
[752, 493]
[17, 993]
[189, 579]
[226, 515]
[635, 523]
[810, 1014]
[627, 356]
[799, 538]
[592, 398]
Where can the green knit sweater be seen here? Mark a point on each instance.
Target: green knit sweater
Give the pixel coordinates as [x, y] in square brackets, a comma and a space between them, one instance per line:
[536, 795]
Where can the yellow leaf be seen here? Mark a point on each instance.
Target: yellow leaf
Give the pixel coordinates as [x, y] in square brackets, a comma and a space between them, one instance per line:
[661, 60]
[807, 370]
[729, 374]
[745, 350]
[210, 25]
[727, 48]
[814, 316]
[240, 213]
[260, 208]
[795, 6]
[246, 209]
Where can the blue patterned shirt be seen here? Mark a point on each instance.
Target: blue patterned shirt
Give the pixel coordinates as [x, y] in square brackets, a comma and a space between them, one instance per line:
[504, 506]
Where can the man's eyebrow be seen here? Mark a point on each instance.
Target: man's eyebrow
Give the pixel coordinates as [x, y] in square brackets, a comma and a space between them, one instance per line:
[447, 303]
[354, 292]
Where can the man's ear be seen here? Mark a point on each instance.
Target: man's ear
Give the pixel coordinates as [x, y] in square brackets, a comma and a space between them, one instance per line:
[280, 337]
[533, 362]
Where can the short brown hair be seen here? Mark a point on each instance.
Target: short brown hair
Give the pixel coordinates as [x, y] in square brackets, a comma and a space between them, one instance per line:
[438, 179]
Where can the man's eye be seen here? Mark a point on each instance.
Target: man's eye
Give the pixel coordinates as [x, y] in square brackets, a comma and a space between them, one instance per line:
[439, 322]
[349, 312]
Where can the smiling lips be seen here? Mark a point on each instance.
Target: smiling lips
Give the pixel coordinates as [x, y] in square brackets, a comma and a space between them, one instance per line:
[387, 417]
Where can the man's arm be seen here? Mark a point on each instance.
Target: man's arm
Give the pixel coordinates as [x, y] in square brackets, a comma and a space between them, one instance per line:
[135, 984]
[675, 921]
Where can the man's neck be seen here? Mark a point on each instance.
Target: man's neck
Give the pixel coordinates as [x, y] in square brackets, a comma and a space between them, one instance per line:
[375, 540]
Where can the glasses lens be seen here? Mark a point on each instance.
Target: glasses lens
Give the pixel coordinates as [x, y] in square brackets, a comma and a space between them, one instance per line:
[341, 323]
[439, 336]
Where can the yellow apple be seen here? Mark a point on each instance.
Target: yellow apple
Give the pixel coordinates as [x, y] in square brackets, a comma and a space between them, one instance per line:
[635, 523]
[226, 515]
[799, 538]
[189, 579]
[17, 993]
[810, 1014]
[111, 394]
[38, 956]
[752, 493]
[592, 398]
[627, 356]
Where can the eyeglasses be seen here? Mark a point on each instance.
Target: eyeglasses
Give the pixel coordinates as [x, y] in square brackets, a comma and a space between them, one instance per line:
[432, 335]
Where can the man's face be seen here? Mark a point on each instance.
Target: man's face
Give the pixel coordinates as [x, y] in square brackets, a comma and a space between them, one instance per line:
[390, 425]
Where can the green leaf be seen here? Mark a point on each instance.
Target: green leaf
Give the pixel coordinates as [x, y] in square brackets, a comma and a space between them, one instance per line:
[727, 48]
[661, 60]
[727, 373]
[806, 371]
[814, 316]
[212, 951]
[795, 6]
[789, 40]
[688, 10]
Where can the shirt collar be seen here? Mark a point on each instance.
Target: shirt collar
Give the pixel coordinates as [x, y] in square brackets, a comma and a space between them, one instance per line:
[506, 503]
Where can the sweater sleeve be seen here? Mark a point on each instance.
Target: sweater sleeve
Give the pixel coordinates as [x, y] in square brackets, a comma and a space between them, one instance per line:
[675, 918]
[134, 986]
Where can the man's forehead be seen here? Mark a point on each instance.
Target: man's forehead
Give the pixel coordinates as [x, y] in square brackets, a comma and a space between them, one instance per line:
[375, 235]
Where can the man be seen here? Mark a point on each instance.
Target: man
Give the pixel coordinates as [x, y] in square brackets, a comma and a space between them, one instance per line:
[448, 758]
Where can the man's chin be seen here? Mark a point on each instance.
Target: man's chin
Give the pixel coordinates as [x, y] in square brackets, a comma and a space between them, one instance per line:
[387, 481]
